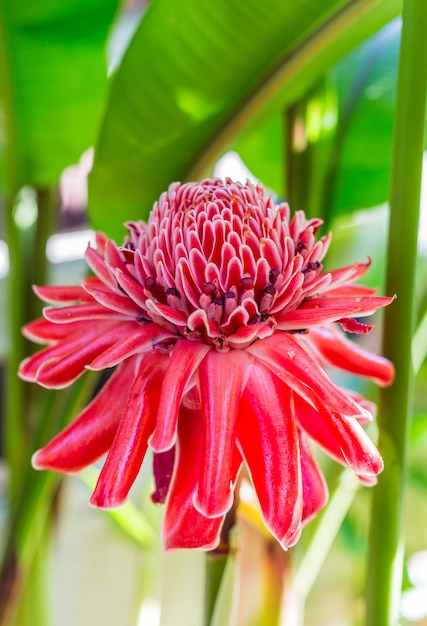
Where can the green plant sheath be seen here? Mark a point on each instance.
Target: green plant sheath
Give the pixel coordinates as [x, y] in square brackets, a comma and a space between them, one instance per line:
[386, 542]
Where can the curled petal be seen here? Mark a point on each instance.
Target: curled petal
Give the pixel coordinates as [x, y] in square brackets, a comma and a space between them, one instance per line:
[44, 331]
[186, 358]
[130, 443]
[300, 319]
[169, 313]
[91, 434]
[132, 288]
[314, 489]
[340, 413]
[100, 268]
[136, 342]
[359, 306]
[63, 371]
[115, 302]
[59, 365]
[268, 441]
[54, 294]
[347, 274]
[344, 440]
[78, 312]
[163, 464]
[351, 325]
[288, 360]
[221, 380]
[348, 355]
[183, 525]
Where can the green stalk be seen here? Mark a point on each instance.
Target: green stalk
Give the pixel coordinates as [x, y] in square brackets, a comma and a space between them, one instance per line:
[16, 397]
[215, 568]
[216, 562]
[386, 541]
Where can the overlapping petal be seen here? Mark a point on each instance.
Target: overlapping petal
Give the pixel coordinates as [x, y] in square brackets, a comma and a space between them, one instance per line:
[131, 439]
[335, 349]
[91, 434]
[185, 360]
[221, 381]
[184, 526]
[267, 426]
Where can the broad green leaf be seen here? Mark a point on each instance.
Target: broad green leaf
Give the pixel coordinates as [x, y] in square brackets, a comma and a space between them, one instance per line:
[295, 172]
[348, 125]
[360, 178]
[196, 74]
[263, 152]
[52, 83]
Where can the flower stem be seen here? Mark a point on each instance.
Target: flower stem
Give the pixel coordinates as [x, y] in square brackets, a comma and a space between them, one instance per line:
[216, 561]
[386, 542]
[16, 397]
[215, 567]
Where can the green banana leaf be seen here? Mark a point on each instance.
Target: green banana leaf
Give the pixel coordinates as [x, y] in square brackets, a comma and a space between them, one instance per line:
[349, 127]
[53, 81]
[196, 74]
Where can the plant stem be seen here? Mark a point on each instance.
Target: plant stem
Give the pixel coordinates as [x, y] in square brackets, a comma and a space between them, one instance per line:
[215, 567]
[16, 396]
[216, 561]
[326, 527]
[386, 542]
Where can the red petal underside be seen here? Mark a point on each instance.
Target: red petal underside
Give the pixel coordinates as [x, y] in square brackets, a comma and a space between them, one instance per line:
[221, 380]
[69, 358]
[115, 302]
[186, 358]
[347, 274]
[91, 434]
[130, 443]
[70, 314]
[300, 319]
[267, 438]
[183, 525]
[288, 360]
[361, 305]
[349, 446]
[99, 267]
[53, 294]
[87, 337]
[136, 342]
[349, 356]
[43, 331]
[314, 489]
[339, 412]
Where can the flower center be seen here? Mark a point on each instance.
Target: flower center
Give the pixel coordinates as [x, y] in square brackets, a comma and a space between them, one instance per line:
[219, 261]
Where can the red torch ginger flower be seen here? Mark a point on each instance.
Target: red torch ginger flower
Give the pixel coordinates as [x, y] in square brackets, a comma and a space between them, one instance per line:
[219, 321]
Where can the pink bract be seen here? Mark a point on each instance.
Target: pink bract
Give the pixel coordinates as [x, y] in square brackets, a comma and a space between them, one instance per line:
[219, 321]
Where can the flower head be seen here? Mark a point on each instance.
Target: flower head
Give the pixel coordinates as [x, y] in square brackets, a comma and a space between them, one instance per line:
[219, 320]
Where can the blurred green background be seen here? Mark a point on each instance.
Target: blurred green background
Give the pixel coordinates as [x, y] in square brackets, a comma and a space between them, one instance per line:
[300, 95]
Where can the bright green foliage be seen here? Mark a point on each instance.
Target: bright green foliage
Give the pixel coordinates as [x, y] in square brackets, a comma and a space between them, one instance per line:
[189, 76]
[52, 83]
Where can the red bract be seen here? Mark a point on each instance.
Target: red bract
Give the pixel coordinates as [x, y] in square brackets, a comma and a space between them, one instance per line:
[218, 320]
